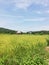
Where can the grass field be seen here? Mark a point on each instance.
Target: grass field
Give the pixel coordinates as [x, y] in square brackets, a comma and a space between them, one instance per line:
[23, 49]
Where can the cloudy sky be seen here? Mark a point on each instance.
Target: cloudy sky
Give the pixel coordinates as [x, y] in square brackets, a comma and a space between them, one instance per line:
[24, 15]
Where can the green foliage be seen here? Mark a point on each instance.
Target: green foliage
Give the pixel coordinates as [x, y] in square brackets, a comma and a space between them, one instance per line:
[7, 31]
[24, 56]
[47, 42]
[38, 32]
[23, 50]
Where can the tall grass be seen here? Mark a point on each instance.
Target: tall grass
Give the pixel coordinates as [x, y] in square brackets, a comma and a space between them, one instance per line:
[23, 49]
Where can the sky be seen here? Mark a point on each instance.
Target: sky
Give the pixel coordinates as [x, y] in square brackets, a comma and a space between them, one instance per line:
[24, 15]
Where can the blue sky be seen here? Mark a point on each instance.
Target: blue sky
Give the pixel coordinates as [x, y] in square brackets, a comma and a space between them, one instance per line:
[24, 15]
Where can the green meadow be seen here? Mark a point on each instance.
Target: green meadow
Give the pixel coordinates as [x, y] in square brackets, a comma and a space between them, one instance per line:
[23, 49]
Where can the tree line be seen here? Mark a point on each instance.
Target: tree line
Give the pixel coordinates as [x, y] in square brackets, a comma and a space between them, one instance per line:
[8, 31]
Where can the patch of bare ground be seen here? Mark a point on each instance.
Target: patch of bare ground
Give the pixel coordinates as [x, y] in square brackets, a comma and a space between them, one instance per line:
[47, 50]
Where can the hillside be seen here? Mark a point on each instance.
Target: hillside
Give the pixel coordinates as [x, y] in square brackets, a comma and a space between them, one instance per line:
[7, 31]
[38, 32]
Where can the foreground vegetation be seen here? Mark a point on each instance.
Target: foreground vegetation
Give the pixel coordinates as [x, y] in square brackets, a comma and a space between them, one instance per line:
[23, 49]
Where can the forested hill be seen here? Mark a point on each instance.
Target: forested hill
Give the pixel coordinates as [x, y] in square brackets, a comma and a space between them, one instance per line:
[7, 31]
[38, 32]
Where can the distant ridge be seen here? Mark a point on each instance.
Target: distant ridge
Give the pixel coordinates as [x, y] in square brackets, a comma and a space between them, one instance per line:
[39, 32]
[7, 31]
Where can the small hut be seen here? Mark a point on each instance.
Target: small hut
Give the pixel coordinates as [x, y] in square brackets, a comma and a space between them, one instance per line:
[18, 32]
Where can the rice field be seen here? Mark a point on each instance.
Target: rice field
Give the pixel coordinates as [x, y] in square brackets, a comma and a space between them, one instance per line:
[23, 49]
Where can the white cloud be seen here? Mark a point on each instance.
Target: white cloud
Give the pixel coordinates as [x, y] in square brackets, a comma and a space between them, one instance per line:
[2, 15]
[47, 11]
[37, 12]
[44, 28]
[41, 12]
[24, 4]
[35, 19]
[42, 2]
